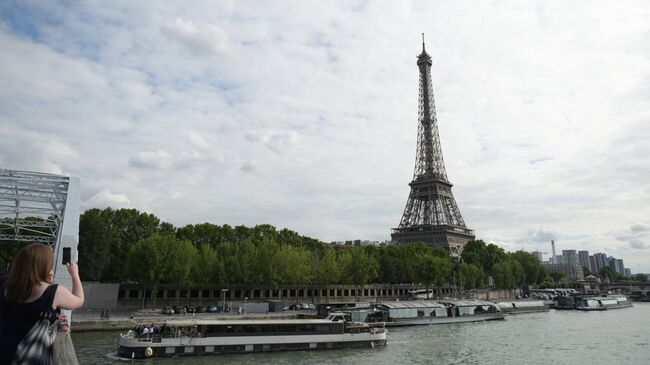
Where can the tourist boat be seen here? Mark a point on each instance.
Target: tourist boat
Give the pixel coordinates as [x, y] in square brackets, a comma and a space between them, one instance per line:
[203, 337]
[420, 312]
[523, 306]
[603, 303]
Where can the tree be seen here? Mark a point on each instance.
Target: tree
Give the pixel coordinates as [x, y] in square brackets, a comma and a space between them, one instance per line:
[361, 268]
[145, 263]
[472, 276]
[557, 276]
[433, 270]
[534, 271]
[641, 277]
[609, 273]
[294, 265]
[208, 268]
[329, 271]
[94, 244]
[179, 258]
[508, 274]
[126, 228]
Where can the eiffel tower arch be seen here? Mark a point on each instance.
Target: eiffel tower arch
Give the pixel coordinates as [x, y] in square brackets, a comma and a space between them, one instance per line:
[431, 214]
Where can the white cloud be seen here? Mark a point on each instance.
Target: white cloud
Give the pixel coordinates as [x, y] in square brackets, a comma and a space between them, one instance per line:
[275, 141]
[198, 39]
[105, 198]
[151, 159]
[304, 115]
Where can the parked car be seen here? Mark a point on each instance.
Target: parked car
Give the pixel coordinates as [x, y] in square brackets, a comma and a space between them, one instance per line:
[168, 311]
[212, 309]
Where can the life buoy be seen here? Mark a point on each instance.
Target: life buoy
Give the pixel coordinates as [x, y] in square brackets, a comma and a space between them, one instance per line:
[148, 352]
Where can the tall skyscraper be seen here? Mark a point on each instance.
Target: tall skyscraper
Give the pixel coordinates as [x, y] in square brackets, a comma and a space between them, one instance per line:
[583, 258]
[569, 257]
[601, 261]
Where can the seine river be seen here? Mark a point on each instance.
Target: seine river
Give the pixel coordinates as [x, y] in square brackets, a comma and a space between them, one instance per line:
[614, 337]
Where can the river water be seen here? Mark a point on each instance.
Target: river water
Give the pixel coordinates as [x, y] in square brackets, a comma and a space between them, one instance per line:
[613, 337]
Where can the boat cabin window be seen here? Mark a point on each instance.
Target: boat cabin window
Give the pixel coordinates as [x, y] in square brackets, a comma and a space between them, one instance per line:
[273, 329]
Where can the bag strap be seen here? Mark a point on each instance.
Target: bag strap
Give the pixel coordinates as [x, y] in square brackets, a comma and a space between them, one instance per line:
[51, 314]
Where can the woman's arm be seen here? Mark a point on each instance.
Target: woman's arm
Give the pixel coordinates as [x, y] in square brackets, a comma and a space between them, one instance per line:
[66, 299]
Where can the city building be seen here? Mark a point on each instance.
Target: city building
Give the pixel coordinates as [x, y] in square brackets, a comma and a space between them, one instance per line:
[573, 271]
[583, 258]
[538, 254]
[628, 273]
[616, 265]
[601, 261]
[570, 257]
[592, 264]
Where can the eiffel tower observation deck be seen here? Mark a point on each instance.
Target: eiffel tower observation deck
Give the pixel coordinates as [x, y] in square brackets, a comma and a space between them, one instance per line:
[431, 214]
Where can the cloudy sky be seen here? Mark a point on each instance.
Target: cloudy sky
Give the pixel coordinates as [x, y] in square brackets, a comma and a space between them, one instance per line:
[303, 114]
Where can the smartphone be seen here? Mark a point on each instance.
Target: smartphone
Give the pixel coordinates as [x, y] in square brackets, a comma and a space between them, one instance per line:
[66, 255]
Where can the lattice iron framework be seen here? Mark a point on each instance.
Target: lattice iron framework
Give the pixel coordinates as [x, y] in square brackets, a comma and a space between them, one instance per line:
[31, 206]
[431, 214]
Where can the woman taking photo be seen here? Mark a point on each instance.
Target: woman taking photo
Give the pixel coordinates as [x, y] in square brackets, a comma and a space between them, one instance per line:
[29, 295]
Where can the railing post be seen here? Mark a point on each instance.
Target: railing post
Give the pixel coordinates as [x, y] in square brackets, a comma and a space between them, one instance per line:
[64, 353]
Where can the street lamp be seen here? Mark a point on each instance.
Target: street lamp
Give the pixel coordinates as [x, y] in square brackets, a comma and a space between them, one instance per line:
[224, 300]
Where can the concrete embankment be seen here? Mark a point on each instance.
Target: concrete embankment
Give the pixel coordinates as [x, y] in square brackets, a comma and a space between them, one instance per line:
[81, 324]
[104, 325]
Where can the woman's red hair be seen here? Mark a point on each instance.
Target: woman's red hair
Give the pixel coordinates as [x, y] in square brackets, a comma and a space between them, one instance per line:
[31, 266]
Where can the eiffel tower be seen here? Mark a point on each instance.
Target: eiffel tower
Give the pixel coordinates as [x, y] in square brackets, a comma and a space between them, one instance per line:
[431, 214]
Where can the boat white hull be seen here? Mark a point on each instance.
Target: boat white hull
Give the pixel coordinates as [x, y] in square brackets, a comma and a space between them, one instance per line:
[438, 320]
[142, 348]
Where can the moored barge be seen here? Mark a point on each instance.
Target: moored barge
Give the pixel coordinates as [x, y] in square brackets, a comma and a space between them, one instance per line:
[421, 312]
[524, 306]
[603, 303]
[203, 337]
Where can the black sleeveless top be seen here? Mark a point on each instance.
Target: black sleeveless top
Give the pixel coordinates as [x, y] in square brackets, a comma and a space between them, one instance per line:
[16, 319]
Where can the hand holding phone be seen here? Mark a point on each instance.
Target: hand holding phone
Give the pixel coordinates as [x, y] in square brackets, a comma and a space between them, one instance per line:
[66, 255]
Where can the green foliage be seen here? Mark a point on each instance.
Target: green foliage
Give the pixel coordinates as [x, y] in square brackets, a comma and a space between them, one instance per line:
[295, 266]
[640, 277]
[508, 274]
[472, 276]
[534, 271]
[328, 270]
[557, 276]
[94, 243]
[482, 255]
[609, 273]
[433, 269]
[125, 244]
[358, 266]
[8, 250]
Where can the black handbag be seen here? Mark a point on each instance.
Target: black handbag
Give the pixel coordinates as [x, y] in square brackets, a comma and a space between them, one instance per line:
[37, 346]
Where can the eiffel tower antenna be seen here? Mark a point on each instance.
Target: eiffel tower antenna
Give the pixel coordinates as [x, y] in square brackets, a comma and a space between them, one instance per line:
[431, 214]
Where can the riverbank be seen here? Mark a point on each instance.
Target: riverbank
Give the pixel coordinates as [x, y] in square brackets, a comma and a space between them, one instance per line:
[90, 321]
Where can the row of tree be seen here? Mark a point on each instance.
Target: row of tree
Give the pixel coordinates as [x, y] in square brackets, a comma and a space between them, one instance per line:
[126, 245]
